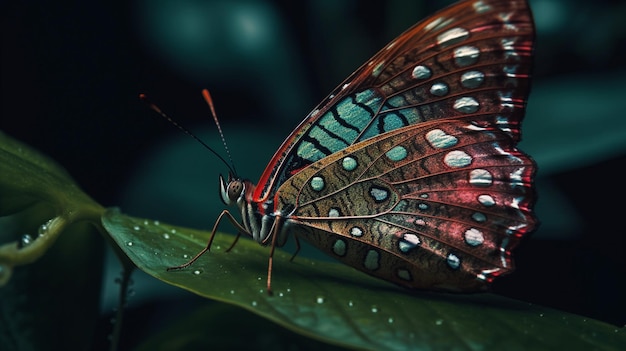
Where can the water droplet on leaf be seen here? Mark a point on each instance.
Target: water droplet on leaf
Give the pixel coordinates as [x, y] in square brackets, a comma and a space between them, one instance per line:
[43, 229]
[25, 240]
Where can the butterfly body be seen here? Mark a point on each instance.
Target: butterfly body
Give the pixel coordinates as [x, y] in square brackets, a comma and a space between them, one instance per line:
[409, 170]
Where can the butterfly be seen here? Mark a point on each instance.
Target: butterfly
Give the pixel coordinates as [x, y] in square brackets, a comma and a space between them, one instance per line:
[409, 171]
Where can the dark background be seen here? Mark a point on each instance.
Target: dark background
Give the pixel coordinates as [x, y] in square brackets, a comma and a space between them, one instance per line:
[72, 73]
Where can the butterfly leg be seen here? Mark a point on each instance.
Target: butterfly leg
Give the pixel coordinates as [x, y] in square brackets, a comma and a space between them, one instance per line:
[234, 242]
[232, 219]
[274, 232]
[295, 237]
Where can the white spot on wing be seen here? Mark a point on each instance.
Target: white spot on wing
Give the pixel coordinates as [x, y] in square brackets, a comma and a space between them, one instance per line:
[466, 104]
[466, 55]
[472, 79]
[452, 36]
[506, 99]
[481, 7]
[438, 139]
[453, 261]
[474, 237]
[457, 159]
[434, 23]
[378, 69]
[421, 72]
[503, 245]
[509, 48]
[486, 200]
[480, 177]
[439, 89]
[356, 231]
[516, 177]
[408, 242]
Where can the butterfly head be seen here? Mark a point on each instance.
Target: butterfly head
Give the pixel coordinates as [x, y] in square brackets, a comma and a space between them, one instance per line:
[231, 191]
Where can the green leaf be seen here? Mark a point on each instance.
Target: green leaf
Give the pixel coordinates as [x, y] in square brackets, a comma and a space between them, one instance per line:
[52, 303]
[218, 326]
[29, 179]
[337, 304]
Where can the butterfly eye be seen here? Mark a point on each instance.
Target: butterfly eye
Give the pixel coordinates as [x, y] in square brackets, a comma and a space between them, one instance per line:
[231, 190]
[235, 187]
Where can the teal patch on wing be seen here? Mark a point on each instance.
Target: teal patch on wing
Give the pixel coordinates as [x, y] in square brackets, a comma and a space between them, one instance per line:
[394, 114]
[339, 126]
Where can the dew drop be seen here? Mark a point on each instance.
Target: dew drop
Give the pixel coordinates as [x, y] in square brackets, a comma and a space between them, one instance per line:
[145, 222]
[288, 290]
[280, 294]
[254, 303]
[374, 309]
[439, 322]
[25, 240]
[166, 236]
[320, 299]
[136, 227]
[350, 303]
[261, 291]
[232, 292]
[540, 314]
[390, 320]
[156, 223]
[185, 256]
[173, 231]
[43, 229]
[259, 278]
[130, 243]
[197, 272]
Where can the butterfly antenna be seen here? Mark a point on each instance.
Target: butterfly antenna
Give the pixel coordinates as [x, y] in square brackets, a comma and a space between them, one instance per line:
[156, 109]
[209, 101]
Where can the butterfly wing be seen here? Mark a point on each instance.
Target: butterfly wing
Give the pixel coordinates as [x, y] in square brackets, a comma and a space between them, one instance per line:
[437, 205]
[471, 61]
[409, 170]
